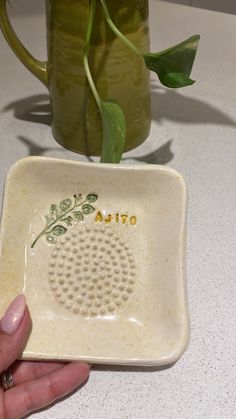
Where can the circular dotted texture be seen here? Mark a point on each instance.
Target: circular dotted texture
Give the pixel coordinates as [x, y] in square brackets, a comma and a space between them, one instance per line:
[91, 271]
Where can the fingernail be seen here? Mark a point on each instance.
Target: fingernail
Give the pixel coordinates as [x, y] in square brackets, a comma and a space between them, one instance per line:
[13, 315]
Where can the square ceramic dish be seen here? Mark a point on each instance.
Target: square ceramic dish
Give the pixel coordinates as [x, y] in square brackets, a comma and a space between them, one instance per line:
[99, 251]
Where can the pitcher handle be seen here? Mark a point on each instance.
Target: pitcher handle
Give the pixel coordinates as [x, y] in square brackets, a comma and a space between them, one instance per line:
[36, 67]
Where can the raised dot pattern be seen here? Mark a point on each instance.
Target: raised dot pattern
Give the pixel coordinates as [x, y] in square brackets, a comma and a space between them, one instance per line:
[91, 271]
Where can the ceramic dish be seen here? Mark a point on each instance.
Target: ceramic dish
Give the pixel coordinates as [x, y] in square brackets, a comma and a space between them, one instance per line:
[99, 251]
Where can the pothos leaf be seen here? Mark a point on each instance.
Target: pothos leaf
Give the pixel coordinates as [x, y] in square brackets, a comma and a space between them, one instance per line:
[87, 209]
[173, 65]
[91, 197]
[59, 230]
[65, 204]
[114, 131]
[175, 80]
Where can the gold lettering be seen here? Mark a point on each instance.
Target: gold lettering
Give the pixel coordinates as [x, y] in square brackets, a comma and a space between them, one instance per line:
[117, 218]
[99, 217]
[124, 218]
[108, 219]
[133, 220]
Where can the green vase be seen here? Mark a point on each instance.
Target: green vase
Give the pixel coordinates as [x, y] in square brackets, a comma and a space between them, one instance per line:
[118, 72]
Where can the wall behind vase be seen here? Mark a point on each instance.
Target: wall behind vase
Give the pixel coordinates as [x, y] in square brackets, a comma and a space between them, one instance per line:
[37, 6]
[26, 6]
[225, 6]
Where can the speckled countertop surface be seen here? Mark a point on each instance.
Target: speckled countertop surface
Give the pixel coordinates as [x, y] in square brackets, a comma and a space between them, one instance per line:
[194, 131]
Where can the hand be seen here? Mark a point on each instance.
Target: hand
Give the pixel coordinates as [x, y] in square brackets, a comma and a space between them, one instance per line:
[35, 384]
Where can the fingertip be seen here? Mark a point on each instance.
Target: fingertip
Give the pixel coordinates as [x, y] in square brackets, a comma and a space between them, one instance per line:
[13, 342]
[21, 335]
[14, 315]
[86, 369]
[82, 369]
[27, 321]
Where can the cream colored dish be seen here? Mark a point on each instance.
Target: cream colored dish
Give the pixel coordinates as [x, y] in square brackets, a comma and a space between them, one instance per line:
[99, 252]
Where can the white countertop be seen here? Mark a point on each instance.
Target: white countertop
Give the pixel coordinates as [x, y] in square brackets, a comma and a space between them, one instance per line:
[193, 131]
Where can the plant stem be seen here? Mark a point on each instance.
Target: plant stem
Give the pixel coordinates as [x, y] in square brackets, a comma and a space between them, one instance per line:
[117, 32]
[55, 221]
[86, 50]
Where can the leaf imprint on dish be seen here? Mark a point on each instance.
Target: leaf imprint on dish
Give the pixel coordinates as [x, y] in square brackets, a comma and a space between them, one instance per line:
[63, 215]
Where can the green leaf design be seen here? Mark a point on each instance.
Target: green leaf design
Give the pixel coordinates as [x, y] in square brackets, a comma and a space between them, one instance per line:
[87, 209]
[65, 204]
[49, 219]
[68, 220]
[66, 214]
[91, 197]
[59, 230]
[78, 215]
[173, 65]
[114, 131]
[51, 239]
[54, 209]
[78, 198]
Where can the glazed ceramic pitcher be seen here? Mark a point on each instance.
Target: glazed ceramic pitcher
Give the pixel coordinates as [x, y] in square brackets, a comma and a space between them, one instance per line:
[118, 73]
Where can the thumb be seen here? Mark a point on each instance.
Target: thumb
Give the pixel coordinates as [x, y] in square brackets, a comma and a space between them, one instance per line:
[15, 328]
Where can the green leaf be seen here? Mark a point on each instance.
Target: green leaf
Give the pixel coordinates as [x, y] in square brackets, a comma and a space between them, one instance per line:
[65, 204]
[68, 220]
[114, 131]
[77, 199]
[54, 209]
[59, 230]
[49, 219]
[173, 65]
[87, 209]
[51, 239]
[78, 215]
[91, 197]
[175, 80]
